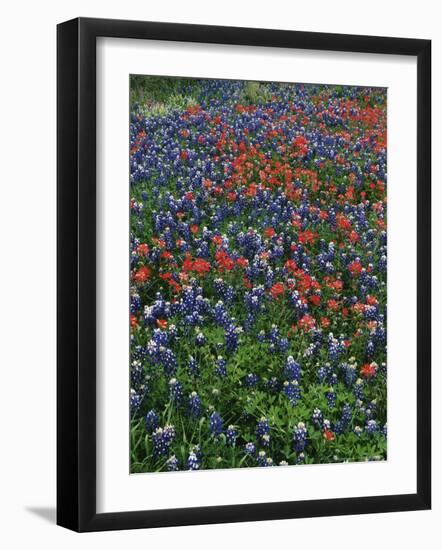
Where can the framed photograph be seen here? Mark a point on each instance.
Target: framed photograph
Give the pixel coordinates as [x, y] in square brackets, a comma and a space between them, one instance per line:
[243, 274]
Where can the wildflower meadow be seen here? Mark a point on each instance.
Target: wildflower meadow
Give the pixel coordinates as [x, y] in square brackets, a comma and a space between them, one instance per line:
[258, 274]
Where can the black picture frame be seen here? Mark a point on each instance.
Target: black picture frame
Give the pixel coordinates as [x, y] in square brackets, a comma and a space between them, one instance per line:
[76, 274]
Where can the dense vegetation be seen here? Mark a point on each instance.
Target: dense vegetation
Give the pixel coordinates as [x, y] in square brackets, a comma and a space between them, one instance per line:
[258, 274]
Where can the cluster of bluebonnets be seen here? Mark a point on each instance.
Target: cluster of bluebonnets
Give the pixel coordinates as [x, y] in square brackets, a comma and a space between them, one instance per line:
[258, 260]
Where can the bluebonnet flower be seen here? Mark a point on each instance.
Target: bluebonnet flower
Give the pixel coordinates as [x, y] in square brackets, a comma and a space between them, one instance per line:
[300, 458]
[192, 367]
[232, 333]
[151, 421]
[192, 461]
[135, 400]
[350, 374]
[292, 369]
[370, 410]
[251, 380]
[173, 331]
[250, 448]
[346, 413]
[343, 423]
[220, 315]
[221, 367]
[273, 335]
[335, 347]
[215, 424]
[323, 373]
[331, 398]
[136, 372]
[292, 391]
[162, 438]
[371, 427]
[370, 349]
[273, 385]
[317, 418]
[300, 437]
[169, 361]
[283, 344]
[200, 339]
[176, 391]
[135, 302]
[172, 464]
[358, 430]
[262, 458]
[263, 431]
[194, 405]
[231, 435]
[358, 389]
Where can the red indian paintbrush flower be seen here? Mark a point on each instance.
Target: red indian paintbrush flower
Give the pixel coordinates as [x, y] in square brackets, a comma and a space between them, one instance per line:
[143, 274]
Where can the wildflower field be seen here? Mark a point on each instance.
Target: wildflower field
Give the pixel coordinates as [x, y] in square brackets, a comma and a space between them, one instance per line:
[258, 262]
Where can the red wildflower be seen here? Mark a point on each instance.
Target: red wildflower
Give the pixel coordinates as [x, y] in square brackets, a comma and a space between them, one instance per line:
[269, 232]
[277, 290]
[200, 266]
[133, 321]
[358, 307]
[354, 237]
[251, 190]
[247, 283]
[188, 264]
[142, 249]
[159, 242]
[162, 323]
[306, 323]
[306, 282]
[307, 236]
[343, 222]
[291, 265]
[333, 304]
[355, 268]
[300, 144]
[175, 286]
[225, 262]
[369, 370]
[143, 274]
[335, 284]
[329, 435]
